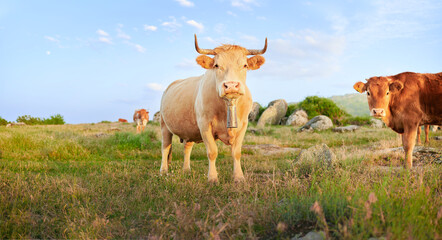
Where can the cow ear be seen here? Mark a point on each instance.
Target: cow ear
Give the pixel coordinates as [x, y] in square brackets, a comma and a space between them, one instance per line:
[396, 86]
[255, 62]
[360, 87]
[205, 61]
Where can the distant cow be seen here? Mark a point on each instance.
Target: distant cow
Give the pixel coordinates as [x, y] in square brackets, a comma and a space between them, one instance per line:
[196, 109]
[404, 102]
[122, 120]
[427, 131]
[141, 117]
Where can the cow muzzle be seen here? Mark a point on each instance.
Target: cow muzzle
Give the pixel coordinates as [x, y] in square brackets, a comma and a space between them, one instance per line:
[378, 112]
[231, 89]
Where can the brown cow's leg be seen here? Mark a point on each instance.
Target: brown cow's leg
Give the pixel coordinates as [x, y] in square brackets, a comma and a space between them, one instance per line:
[187, 150]
[238, 175]
[418, 138]
[408, 140]
[427, 131]
[166, 148]
[212, 153]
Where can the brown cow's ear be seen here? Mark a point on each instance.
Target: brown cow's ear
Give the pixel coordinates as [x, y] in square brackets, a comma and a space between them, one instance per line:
[360, 87]
[396, 86]
[205, 61]
[255, 62]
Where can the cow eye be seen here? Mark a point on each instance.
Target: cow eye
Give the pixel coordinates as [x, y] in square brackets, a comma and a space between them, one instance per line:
[368, 93]
[388, 93]
[216, 66]
[245, 66]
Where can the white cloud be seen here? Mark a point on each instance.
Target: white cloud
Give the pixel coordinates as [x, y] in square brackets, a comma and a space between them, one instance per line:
[185, 3]
[52, 39]
[137, 47]
[121, 34]
[48, 52]
[187, 64]
[155, 87]
[150, 28]
[305, 54]
[140, 48]
[244, 4]
[105, 40]
[196, 24]
[102, 33]
[231, 13]
[172, 25]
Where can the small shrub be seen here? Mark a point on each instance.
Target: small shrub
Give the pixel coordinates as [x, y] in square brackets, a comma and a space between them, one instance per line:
[355, 120]
[315, 106]
[104, 121]
[3, 121]
[29, 120]
[54, 120]
[291, 109]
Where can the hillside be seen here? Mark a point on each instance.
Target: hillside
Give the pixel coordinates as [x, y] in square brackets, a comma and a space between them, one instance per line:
[355, 104]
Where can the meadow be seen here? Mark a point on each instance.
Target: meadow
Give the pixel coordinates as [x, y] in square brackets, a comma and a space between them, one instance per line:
[102, 181]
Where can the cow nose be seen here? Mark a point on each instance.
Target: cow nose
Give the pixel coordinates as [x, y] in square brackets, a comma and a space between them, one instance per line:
[231, 87]
[378, 111]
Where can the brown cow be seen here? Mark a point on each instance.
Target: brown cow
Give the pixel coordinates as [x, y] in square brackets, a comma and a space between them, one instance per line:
[141, 117]
[404, 102]
[427, 131]
[196, 108]
[122, 120]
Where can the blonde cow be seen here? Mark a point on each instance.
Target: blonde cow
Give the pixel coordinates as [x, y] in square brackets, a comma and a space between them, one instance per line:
[214, 106]
[141, 117]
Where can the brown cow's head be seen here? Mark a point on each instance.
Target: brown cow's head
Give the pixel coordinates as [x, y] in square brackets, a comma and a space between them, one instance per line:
[379, 92]
[230, 65]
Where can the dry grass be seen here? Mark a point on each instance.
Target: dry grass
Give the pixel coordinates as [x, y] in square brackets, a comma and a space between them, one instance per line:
[102, 181]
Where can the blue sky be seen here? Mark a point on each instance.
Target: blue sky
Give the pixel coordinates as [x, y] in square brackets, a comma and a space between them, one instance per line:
[100, 60]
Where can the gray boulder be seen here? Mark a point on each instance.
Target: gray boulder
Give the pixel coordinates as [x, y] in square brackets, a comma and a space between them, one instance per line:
[156, 117]
[274, 113]
[253, 115]
[376, 123]
[319, 155]
[312, 236]
[318, 123]
[298, 118]
[349, 128]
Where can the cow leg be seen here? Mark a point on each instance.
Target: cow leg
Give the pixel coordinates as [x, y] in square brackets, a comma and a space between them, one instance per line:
[418, 138]
[408, 141]
[187, 150]
[212, 152]
[144, 124]
[238, 175]
[166, 148]
[427, 131]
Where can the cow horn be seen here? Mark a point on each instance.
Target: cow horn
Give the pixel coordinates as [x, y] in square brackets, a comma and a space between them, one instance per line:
[256, 52]
[203, 51]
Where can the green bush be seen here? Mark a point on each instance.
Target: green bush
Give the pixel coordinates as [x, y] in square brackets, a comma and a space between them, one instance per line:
[3, 121]
[315, 106]
[291, 109]
[29, 120]
[355, 120]
[54, 120]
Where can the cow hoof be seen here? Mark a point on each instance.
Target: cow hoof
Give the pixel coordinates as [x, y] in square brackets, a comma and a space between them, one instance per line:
[213, 179]
[163, 171]
[239, 179]
[186, 170]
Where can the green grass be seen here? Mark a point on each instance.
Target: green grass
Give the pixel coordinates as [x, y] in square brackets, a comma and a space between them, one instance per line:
[102, 181]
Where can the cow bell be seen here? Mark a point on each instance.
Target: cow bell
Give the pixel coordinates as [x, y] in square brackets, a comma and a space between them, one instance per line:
[232, 121]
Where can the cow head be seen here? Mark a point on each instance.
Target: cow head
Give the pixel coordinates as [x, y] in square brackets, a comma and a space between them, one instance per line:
[379, 93]
[230, 65]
